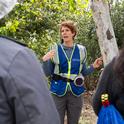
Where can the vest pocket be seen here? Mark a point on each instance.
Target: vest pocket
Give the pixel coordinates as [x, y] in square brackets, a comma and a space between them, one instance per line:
[58, 87]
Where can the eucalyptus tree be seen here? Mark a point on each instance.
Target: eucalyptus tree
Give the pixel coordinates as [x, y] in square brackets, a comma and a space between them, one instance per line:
[105, 32]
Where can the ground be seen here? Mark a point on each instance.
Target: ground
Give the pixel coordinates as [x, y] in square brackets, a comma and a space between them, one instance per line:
[87, 115]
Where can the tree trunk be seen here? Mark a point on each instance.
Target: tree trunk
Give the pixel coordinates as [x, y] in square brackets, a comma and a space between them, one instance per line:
[104, 30]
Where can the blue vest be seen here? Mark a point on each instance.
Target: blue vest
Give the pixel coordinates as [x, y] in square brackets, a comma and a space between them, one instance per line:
[69, 69]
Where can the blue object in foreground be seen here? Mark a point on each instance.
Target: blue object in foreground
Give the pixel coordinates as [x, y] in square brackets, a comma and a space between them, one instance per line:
[109, 115]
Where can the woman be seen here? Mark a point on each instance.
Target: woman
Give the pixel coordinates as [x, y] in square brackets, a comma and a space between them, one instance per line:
[65, 63]
[112, 82]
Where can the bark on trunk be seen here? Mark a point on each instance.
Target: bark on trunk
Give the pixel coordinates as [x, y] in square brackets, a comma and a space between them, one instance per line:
[104, 30]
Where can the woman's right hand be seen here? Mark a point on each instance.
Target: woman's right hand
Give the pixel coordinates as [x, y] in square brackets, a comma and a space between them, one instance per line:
[48, 55]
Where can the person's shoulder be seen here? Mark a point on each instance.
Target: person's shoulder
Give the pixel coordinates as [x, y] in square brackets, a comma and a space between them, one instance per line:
[81, 46]
[9, 48]
[54, 46]
[9, 40]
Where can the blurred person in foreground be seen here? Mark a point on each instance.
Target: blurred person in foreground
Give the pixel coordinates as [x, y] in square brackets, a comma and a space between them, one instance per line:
[24, 96]
[111, 82]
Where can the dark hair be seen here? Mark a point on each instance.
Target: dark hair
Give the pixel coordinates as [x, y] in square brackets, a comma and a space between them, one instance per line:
[119, 65]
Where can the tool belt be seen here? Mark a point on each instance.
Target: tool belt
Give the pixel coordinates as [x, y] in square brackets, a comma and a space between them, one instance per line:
[78, 81]
[58, 77]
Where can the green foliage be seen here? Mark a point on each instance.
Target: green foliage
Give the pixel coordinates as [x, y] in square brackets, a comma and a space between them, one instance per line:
[117, 14]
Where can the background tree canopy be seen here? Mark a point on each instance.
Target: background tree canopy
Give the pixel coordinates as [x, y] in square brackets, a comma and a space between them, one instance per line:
[36, 23]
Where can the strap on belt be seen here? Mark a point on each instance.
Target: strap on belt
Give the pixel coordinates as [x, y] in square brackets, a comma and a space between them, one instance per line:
[58, 77]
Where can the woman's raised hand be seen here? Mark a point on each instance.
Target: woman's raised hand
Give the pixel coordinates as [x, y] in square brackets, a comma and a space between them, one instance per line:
[48, 55]
[98, 62]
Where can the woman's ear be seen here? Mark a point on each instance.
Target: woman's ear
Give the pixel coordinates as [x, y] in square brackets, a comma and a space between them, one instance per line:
[74, 34]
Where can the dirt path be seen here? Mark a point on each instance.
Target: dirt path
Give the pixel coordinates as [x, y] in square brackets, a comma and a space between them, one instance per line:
[87, 116]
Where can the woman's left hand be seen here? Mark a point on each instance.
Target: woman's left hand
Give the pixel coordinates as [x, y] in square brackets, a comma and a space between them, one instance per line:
[98, 62]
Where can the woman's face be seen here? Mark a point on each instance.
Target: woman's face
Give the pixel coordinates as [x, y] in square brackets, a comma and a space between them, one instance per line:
[66, 34]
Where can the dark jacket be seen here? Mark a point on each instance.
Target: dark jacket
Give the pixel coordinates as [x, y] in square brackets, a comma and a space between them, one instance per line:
[109, 83]
[24, 96]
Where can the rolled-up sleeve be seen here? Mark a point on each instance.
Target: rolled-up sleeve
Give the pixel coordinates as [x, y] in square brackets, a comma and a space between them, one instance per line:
[87, 70]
